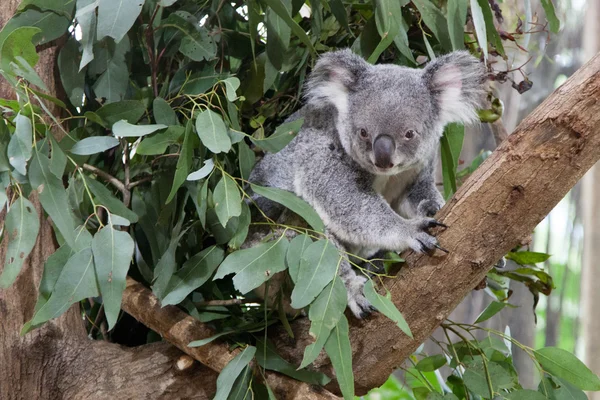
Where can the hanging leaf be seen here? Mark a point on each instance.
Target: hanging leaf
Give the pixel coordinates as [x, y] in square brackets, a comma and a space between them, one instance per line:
[76, 282]
[293, 202]
[325, 313]
[527, 257]
[247, 159]
[242, 228]
[21, 227]
[116, 17]
[94, 144]
[86, 18]
[476, 378]
[53, 196]
[294, 254]
[551, 15]
[284, 134]
[184, 161]
[112, 251]
[451, 145]
[160, 141]
[19, 147]
[231, 86]
[340, 353]
[435, 20]
[113, 82]
[565, 365]
[71, 78]
[164, 270]
[457, 18]
[227, 199]
[385, 305]
[254, 266]
[278, 7]
[492, 309]
[58, 160]
[318, 267]
[163, 113]
[104, 197]
[194, 273]
[491, 33]
[480, 26]
[231, 371]
[212, 132]
[128, 110]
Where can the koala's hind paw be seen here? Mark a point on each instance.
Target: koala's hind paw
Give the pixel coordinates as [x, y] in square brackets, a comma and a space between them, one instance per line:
[357, 302]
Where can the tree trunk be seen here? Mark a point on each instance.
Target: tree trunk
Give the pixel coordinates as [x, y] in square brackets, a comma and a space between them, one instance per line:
[500, 204]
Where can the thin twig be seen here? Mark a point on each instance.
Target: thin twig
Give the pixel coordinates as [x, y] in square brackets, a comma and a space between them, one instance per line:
[127, 193]
[230, 302]
[499, 131]
[139, 182]
[107, 177]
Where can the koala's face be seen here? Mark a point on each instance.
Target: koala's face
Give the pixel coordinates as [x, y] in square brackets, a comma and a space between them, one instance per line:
[390, 125]
[390, 118]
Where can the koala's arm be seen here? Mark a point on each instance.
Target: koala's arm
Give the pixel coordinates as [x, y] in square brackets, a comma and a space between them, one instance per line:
[343, 196]
[423, 199]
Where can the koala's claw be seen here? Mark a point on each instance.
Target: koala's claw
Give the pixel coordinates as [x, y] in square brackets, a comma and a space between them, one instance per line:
[357, 302]
[437, 246]
[434, 223]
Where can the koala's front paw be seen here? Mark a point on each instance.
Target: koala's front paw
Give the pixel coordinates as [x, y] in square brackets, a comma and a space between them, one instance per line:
[357, 302]
[420, 239]
[428, 207]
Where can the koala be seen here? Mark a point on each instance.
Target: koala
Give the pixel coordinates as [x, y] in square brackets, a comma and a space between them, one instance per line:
[364, 158]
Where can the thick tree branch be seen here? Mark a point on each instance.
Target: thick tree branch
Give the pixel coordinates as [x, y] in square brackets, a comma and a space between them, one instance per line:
[501, 203]
[179, 329]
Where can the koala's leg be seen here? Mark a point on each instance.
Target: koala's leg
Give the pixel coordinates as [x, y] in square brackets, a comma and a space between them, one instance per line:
[423, 198]
[354, 282]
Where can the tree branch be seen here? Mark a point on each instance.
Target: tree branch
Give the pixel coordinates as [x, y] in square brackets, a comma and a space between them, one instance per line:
[107, 177]
[179, 329]
[501, 203]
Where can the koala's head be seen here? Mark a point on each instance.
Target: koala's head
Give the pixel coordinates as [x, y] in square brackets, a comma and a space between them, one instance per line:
[390, 118]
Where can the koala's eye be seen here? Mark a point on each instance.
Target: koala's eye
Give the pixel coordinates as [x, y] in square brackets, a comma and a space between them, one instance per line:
[409, 134]
[364, 134]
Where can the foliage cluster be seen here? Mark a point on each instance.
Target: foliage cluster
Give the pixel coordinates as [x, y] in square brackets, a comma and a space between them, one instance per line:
[142, 166]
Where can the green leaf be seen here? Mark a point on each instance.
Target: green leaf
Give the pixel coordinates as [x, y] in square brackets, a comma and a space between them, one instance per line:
[247, 159]
[457, 18]
[254, 266]
[339, 11]
[492, 309]
[198, 45]
[76, 282]
[431, 363]
[212, 132]
[231, 371]
[72, 79]
[184, 161]
[87, 19]
[227, 199]
[294, 254]
[203, 172]
[21, 226]
[241, 389]
[112, 251]
[125, 129]
[527, 257]
[19, 146]
[451, 144]
[58, 160]
[557, 389]
[19, 43]
[129, 110]
[284, 134]
[551, 15]
[267, 357]
[104, 197]
[202, 342]
[158, 143]
[436, 21]
[113, 82]
[194, 273]
[231, 86]
[476, 381]
[116, 17]
[388, 15]
[242, 228]
[565, 365]
[325, 313]
[163, 113]
[278, 37]
[491, 32]
[385, 305]
[94, 144]
[278, 7]
[318, 267]
[525, 394]
[293, 202]
[340, 353]
[51, 25]
[480, 26]
[164, 269]
[53, 196]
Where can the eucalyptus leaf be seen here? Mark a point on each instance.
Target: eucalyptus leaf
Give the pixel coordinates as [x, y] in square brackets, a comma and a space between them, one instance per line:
[231, 86]
[125, 129]
[112, 250]
[94, 144]
[183, 162]
[19, 146]
[431, 363]
[294, 254]
[284, 134]
[212, 132]
[116, 17]
[231, 371]
[227, 199]
[158, 142]
[128, 110]
[163, 113]
[21, 227]
[104, 197]
[385, 305]
[254, 266]
[340, 353]
[198, 45]
[565, 365]
[203, 172]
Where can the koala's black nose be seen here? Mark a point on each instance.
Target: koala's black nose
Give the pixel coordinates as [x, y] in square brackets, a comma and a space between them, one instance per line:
[383, 150]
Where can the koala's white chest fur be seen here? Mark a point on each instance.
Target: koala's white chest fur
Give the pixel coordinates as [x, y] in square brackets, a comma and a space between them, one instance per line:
[395, 187]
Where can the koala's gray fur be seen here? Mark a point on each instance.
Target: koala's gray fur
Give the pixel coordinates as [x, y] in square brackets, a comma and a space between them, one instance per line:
[332, 162]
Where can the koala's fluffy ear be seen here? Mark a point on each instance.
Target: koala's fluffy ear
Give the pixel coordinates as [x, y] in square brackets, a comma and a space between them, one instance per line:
[335, 75]
[457, 83]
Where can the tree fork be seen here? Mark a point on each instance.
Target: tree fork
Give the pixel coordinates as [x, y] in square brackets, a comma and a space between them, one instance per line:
[501, 203]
